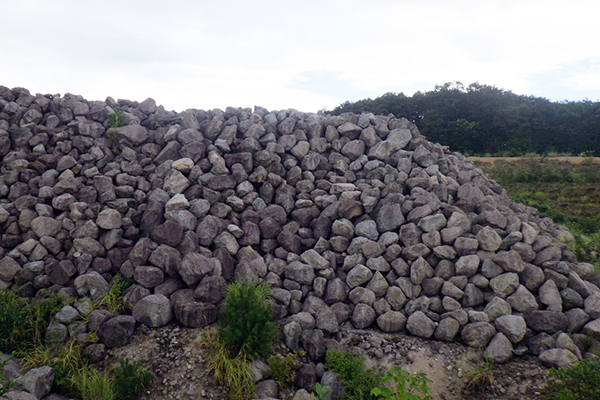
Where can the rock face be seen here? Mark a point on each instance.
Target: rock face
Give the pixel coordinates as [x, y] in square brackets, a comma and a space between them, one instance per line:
[356, 218]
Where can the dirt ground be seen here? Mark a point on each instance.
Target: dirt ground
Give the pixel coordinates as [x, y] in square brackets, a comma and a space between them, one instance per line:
[179, 362]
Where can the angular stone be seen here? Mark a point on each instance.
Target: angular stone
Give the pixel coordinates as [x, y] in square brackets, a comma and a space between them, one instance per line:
[513, 326]
[420, 325]
[153, 311]
[500, 349]
[478, 334]
[391, 321]
[546, 321]
[117, 331]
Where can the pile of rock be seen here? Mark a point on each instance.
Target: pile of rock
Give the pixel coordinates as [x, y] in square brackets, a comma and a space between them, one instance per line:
[352, 219]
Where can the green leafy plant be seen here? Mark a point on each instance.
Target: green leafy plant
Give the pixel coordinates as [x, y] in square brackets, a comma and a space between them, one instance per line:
[282, 367]
[321, 392]
[246, 324]
[130, 380]
[357, 380]
[404, 386]
[232, 372]
[580, 381]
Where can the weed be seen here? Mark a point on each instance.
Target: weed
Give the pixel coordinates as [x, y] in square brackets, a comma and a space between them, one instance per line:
[113, 300]
[91, 384]
[580, 381]
[233, 373]
[404, 386]
[481, 376]
[23, 322]
[130, 380]
[246, 319]
[321, 392]
[282, 368]
[350, 368]
[115, 120]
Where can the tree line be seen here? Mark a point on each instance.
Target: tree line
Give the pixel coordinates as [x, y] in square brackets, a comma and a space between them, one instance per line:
[483, 119]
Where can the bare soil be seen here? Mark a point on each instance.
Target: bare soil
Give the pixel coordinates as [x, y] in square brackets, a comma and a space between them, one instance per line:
[179, 362]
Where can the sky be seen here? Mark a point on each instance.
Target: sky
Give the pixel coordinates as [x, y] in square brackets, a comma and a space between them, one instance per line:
[307, 55]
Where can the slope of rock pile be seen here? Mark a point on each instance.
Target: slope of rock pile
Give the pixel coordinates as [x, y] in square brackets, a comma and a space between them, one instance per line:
[352, 219]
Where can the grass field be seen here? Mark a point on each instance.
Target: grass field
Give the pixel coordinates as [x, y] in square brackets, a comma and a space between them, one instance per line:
[566, 189]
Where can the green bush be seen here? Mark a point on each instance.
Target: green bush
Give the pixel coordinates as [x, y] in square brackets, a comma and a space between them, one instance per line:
[580, 381]
[130, 380]
[405, 386]
[282, 368]
[350, 368]
[246, 319]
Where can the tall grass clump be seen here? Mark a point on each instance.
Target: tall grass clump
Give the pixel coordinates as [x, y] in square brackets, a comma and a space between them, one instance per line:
[23, 322]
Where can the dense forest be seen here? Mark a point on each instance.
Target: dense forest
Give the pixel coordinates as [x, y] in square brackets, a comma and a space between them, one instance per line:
[481, 119]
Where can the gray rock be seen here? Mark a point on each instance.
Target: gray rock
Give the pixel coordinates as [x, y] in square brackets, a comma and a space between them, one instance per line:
[504, 285]
[153, 311]
[109, 219]
[300, 272]
[522, 300]
[546, 321]
[136, 134]
[45, 226]
[513, 326]
[358, 275]
[500, 349]
[557, 358]
[36, 381]
[117, 331]
[391, 321]
[420, 325]
[446, 330]
[363, 316]
[478, 334]
[488, 239]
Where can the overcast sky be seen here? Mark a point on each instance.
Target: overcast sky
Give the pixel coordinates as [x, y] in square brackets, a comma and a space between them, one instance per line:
[303, 54]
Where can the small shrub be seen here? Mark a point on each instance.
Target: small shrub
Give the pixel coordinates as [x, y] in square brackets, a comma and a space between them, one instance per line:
[282, 368]
[246, 324]
[233, 373]
[350, 368]
[404, 386]
[130, 380]
[580, 381]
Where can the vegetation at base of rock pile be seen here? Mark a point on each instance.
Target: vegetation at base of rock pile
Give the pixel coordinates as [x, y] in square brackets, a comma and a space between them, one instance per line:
[580, 381]
[23, 322]
[246, 324]
[566, 192]
[358, 381]
[399, 384]
[245, 333]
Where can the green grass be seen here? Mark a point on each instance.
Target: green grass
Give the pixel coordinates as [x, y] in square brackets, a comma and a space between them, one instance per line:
[567, 193]
[580, 381]
[113, 300]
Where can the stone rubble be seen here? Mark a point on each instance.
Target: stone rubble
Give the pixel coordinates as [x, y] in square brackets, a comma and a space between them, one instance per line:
[354, 220]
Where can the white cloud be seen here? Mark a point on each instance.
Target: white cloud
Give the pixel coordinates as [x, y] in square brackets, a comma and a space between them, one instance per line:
[206, 54]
